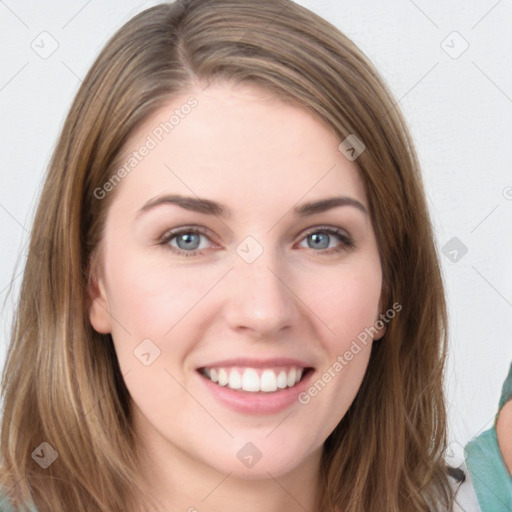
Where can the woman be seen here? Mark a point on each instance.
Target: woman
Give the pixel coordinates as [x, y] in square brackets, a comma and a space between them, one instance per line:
[260, 369]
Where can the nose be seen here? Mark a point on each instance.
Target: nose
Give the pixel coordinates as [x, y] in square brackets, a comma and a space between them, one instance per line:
[260, 299]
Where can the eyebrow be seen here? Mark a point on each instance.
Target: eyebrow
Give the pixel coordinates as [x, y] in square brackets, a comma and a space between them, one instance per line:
[209, 207]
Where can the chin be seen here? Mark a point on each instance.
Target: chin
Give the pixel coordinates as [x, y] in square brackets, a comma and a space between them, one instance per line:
[254, 461]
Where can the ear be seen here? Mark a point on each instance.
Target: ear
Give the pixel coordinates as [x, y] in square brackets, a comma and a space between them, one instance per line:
[381, 327]
[99, 311]
[380, 324]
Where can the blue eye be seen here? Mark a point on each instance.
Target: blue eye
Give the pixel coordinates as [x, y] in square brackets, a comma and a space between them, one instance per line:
[320, 239]
[188, 241]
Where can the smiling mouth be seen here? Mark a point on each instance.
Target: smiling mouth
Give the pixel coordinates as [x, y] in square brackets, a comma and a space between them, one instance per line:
[252, 380]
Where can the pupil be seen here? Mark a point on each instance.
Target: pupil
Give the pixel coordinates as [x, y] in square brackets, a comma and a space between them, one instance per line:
[188, 238]
[316, 238]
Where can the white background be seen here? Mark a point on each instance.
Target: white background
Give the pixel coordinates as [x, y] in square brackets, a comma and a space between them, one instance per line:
[459, 111]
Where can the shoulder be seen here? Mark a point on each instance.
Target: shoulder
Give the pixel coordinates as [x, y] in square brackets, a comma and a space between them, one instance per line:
[486, 465]
[493, 483]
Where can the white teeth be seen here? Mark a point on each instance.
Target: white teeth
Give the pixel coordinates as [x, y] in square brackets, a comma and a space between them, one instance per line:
[235, 380]
[268, 381]
[251, 380]
[223, 377]
[291, 377]
[282, 379]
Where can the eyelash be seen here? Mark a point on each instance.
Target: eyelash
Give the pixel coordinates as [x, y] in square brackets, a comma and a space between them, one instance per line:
[346, 242]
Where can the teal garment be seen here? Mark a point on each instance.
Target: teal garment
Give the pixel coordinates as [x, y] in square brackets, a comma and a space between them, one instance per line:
[6, 506]
[490, 476]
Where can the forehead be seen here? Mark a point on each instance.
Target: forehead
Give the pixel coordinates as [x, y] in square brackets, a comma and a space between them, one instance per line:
[238, 142]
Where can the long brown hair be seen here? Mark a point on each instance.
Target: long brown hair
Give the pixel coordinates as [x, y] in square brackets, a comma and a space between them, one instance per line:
[61, 382]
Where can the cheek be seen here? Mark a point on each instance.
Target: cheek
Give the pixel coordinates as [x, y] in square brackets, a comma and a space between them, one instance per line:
[351, 310]
[348, 302]
[155, 308]
[148, 298]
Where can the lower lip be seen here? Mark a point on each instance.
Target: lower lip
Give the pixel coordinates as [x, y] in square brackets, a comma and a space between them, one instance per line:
[258, 403]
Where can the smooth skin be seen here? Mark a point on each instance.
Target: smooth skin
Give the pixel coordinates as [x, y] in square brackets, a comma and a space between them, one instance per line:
[259, 157]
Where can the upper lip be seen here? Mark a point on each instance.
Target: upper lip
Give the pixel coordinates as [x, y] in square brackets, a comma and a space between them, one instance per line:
[257, 363]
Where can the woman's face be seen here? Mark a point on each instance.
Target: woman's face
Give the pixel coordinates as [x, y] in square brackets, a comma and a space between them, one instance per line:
[220, 257]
